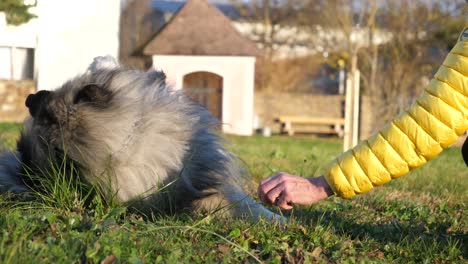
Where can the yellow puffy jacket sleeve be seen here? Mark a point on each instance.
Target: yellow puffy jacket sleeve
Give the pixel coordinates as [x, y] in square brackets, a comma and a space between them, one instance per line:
[434, 122]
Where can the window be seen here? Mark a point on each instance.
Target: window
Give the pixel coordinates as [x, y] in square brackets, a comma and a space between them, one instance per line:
[16, 63]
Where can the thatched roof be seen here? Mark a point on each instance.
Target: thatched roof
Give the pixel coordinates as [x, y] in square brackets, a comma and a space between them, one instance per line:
[198, 28]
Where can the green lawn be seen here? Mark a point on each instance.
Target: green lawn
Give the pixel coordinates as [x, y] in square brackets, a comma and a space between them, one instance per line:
[419, 218]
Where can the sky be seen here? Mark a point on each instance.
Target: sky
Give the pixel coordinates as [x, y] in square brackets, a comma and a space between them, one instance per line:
[124, 2]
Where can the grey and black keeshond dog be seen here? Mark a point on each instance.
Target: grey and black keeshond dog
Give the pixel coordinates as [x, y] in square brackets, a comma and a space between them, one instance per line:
[140, 141]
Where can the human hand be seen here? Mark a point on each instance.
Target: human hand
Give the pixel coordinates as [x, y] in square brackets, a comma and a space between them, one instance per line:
[285, 190]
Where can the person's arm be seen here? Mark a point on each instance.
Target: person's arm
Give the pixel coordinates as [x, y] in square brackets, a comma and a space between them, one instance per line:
[434, 122]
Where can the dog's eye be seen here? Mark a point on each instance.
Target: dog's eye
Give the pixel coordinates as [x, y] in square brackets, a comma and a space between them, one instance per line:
[92, 93]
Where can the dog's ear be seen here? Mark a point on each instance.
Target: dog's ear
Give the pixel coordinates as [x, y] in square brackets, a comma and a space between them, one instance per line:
[464, 151]
[103, 63]
[156, 77]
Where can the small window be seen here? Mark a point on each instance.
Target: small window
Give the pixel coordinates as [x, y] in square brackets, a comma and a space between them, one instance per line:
[16, 63]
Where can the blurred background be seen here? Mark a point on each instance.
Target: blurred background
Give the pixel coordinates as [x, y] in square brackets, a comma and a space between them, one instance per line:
[248, 61]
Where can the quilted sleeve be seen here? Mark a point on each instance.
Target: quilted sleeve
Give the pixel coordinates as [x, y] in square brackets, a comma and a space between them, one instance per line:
[434, 122]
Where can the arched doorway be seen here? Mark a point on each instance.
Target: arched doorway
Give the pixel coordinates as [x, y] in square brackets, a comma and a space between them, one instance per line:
[205, 88]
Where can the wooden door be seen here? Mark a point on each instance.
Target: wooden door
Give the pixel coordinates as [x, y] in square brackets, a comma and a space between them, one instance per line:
[206, 89]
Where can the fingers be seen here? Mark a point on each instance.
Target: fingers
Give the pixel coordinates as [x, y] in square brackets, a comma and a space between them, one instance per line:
[273, 196]
[262, 191]
[276, 190]
[284, 199]
[285, 190]
[268, 184]
[264, 188]
[279, 196]
[266, 180]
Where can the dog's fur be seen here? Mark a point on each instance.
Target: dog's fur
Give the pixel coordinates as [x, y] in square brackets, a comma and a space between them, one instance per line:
[130, 134]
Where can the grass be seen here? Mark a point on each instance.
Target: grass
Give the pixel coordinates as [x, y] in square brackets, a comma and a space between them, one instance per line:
[419, 218]
[9, 133]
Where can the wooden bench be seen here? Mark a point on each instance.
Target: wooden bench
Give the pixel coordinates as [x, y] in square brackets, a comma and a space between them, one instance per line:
[317, 125]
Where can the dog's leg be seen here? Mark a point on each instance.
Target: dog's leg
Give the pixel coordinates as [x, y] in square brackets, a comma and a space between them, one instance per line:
[10, 168]
[231, 201]
[243, 206]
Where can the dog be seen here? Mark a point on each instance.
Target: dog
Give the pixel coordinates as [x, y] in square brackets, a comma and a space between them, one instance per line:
[137, 139]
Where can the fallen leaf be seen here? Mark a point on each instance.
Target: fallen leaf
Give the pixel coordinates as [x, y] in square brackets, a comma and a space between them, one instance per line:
[223, 248]
[303, 229]
[53, 229]
[377, 254]
[316, 252]
[109, 259]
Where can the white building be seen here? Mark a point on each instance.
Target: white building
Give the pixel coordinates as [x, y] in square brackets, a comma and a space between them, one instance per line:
[61, 42]
[201, 52]
[67, 34]
[17, 46]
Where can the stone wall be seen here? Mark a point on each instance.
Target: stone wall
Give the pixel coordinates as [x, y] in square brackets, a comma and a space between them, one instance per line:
[267, 106]
[12, 97]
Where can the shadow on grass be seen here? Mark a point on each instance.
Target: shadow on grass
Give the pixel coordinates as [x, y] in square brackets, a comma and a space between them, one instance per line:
[389, 227]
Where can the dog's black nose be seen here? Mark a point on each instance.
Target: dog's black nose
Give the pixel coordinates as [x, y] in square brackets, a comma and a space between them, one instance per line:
[34, 101]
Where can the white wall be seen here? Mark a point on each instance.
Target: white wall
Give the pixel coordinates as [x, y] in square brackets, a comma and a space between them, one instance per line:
[66, 36]
[15, 41]
[238, 84]
[70, 34]
[24, 36]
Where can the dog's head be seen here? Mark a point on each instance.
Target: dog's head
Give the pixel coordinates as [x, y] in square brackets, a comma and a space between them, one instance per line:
[101, 113]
